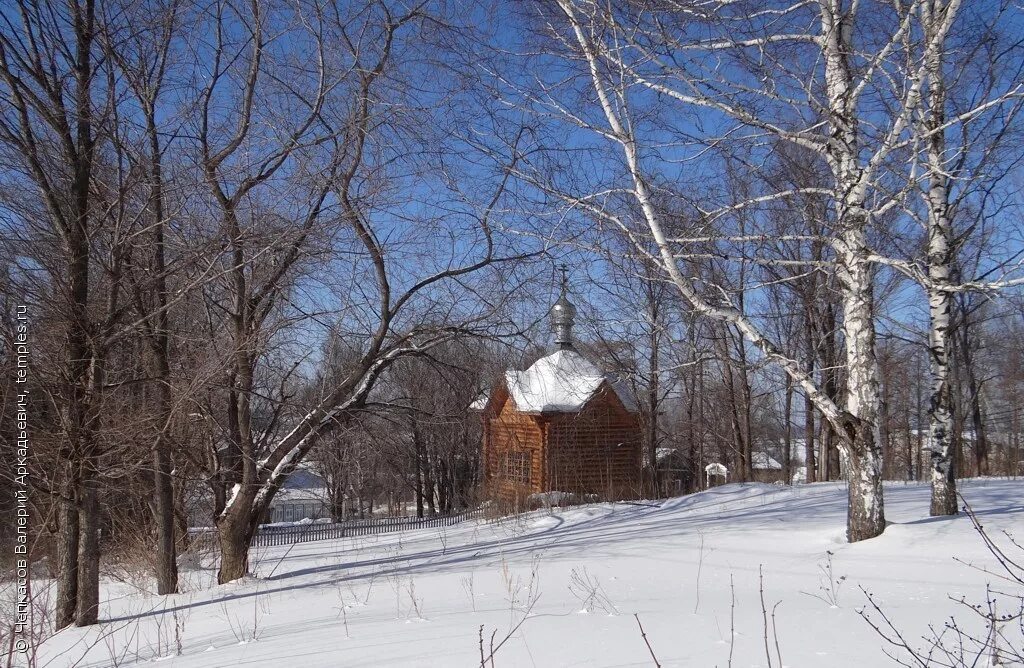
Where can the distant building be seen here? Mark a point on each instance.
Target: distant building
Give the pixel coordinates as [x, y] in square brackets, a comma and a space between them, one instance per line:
[562, 425]
[302, 497]
[715, 474]
[675, 472]
[766, 468]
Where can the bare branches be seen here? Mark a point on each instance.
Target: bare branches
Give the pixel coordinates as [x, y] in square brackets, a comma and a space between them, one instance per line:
[958, 643]
[643, 634]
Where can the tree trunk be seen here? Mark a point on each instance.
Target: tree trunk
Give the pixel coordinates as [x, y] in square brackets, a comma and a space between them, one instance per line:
[866, 517]
[163, 485]
[884, 428]
[940, 254]
[417, 447]
[80, 351]
[1015, 461]
[980, 437]
[695, 458]
[428, 482]
[653, 392]
[810, 465]
[87, 611]
[865, 512]
[828, 469]
[914, 465]
[940, 408]
[182, 539]
[787, 412]
[163, 508]
[830, 381]
[742, 469]
[235, 533]
[236, 527]
[974, 387]
[748, 426]
[854, 273]
[67, 559]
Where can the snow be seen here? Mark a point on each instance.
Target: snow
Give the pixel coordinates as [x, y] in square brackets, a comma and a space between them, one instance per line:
[418, 598]
[480, 402]
[300, 495]
[556, 498]
[562, 382]
[235, 489]
[761, 461]
[716, 469]
[306, 521]
[664, 453]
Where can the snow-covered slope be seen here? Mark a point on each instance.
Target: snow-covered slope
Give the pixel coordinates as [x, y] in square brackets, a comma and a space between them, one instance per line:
[421, 598]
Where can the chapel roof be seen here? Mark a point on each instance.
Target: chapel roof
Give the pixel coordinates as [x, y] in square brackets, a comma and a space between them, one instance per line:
[562, 382]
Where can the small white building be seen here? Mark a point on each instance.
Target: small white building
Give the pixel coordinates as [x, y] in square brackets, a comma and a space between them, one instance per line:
[303, 497]
[715, 474]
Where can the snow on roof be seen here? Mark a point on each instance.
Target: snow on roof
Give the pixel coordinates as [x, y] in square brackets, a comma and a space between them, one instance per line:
[664, 453]
[300, 495]
[480, 402]
[562, 382]
[761, 461]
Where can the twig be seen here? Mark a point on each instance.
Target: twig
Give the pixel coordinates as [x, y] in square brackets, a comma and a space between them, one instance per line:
[643, 635]
[764, 613]
[732, 619]
[775, 635]
[700, 566]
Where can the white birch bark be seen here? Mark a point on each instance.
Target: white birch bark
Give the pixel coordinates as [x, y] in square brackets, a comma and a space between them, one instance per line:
[940, 256]
[859, 445]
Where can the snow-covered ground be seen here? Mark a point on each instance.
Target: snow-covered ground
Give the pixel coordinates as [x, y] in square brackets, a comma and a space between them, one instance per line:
[578, 576]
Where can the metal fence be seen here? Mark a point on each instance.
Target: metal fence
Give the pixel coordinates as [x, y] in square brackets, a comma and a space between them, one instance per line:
[268, 535]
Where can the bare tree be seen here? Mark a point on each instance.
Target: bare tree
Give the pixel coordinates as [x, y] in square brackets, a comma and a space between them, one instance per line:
[347, 187]
[52, 112]
[141, 47]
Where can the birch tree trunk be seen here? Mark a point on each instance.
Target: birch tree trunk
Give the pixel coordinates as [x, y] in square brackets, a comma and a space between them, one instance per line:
[940, 299]
[862, 454]
[866, 516]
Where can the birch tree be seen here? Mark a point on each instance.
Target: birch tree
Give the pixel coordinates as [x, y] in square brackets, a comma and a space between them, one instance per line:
[940, 253]
[952, 176]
